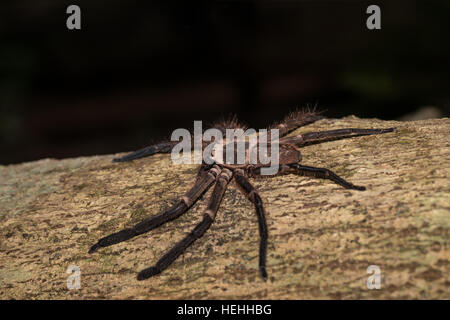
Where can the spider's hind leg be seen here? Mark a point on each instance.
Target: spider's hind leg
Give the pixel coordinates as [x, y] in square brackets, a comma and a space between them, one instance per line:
[297, 119]
[324, 174]
[331, 135]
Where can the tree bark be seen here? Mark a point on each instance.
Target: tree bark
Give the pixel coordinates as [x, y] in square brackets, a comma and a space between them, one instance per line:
[322, 238]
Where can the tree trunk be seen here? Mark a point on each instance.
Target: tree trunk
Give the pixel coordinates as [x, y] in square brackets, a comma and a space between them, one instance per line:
[322, 238]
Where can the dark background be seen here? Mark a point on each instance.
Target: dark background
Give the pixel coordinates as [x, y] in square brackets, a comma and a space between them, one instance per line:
[137, 70]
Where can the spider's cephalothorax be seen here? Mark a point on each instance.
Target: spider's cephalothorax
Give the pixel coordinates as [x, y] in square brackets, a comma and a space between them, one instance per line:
[221, 174]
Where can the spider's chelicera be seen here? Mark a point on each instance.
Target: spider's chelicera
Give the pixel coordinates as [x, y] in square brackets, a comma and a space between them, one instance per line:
[221, 174]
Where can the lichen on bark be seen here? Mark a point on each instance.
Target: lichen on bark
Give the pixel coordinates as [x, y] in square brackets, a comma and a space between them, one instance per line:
[322, 237]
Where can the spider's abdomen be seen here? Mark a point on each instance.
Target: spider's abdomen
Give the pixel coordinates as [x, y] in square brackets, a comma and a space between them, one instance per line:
[289, 154]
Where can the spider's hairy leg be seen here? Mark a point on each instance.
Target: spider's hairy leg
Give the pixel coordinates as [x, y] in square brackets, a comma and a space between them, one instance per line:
[231, 122]
[201, 186]
[323, 136]
[295, 120]
[208, 218]
[163, 147]
[246, 187]
[324, 174]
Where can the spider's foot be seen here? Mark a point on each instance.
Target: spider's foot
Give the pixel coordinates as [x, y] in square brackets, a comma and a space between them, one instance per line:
[119, 159]
[351, 186]
[113, 239]
[94, 248]
[128, 157]
[263, 272]
[147, 273]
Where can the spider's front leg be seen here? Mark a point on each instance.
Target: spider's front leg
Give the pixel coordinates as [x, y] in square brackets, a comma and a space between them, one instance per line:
[203, 183]
[208, 218]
